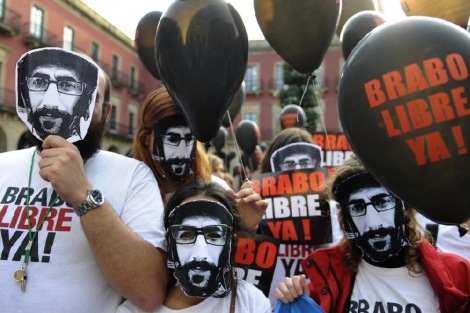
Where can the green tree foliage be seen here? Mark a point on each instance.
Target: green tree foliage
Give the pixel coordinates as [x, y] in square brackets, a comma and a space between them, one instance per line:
[291, 93]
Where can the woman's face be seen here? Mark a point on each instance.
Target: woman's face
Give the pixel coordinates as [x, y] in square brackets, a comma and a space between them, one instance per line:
[219, 171]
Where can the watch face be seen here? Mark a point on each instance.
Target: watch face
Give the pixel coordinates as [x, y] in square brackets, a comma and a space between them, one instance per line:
[96, 196]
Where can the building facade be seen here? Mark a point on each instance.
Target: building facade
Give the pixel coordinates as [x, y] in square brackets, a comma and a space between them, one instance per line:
[70, 24]
[264, 78]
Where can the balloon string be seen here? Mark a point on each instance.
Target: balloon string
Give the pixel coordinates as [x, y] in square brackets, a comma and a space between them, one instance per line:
[236, 144]
[303, 95]
[322, 117]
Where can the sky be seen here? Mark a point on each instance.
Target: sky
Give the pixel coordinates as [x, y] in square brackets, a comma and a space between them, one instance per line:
[126, 14]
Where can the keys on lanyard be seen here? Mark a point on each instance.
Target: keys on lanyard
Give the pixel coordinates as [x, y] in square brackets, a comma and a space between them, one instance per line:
[21, 276]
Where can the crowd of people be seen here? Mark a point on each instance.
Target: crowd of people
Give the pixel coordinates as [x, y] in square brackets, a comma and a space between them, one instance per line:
[86, 230]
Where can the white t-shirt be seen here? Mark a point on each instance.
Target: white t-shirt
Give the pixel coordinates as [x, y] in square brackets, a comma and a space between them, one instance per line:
[378, 289]
[249, 299]
[62, 273]
[220, 181]
[448, 238]
[290, 255]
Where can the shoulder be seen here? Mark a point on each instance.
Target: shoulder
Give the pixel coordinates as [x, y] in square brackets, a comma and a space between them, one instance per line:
[120, 163]
[251, 298]
[324, 258]
[17, 155]
[220, 182]
[442, 260]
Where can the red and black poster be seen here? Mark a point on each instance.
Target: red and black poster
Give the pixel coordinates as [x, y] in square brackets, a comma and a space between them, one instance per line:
[256, 258]
[335, 149]
[297, 212]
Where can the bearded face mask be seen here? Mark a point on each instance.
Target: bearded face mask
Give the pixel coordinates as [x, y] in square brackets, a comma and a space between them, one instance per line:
[56, 91]
[298, 155]
[199, 247]
[372, 216]
[174, 146]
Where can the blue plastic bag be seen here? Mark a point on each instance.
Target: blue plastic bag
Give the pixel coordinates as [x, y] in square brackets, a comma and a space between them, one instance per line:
[303, 304]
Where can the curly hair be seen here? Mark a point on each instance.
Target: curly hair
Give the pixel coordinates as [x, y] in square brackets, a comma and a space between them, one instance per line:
[352, 254]
[283, 138]
[157, 105]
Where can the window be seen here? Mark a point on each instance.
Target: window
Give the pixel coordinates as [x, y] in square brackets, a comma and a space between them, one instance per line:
[68, 38]
[251, 116]
[95, 51]
[279, 76]
[132, 80]
[130, 130]
[112, 119]
[115, 67]
[35, 27]
[252, 78]
[2, 9]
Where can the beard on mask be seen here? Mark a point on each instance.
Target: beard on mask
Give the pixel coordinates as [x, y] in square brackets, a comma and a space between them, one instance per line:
[380, 244]
[50, 121]
[176, 168]
[89, 145]
[197, 278]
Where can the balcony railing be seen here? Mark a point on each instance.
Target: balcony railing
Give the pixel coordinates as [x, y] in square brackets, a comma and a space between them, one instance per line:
[44, 39]
[125, 130]
[255, 88]
[137, 89]
[10, 22]
[118, 78]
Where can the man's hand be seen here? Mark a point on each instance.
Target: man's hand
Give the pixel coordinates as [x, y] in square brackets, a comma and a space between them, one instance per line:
[291, 288]
[250, 205]
[62, 166]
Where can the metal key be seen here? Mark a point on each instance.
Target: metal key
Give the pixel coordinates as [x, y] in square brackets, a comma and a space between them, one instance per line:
[23, 281]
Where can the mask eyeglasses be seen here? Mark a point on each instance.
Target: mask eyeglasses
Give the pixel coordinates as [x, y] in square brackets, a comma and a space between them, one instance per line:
[174, 140]
[214, 234]
[64, 86]
[291, 165]
[380, 204]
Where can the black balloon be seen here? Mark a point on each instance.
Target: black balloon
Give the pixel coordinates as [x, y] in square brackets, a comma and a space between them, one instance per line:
[219, 141]
[299, 32]
[235, 107]
[403, 105]
[357, 27]
[202, 53]
[292, 115]
[247, 135]
[145, 41]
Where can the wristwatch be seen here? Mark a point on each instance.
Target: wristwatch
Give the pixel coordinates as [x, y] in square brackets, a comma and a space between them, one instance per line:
[93, 200]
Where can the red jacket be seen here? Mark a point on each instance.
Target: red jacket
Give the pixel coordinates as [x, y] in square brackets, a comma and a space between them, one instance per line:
[330, 284]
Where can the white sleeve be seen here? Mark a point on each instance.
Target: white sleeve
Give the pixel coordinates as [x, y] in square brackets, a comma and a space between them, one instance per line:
[250, 299]
[337, 234]
[143, 209]
[220, 182]
[128, 307]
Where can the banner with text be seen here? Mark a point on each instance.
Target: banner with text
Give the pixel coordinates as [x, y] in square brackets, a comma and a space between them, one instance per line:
[256, 258]
[297, 212]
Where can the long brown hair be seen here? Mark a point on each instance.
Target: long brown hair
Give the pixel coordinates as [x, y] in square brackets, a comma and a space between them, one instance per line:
[157, 105]
[352, 254]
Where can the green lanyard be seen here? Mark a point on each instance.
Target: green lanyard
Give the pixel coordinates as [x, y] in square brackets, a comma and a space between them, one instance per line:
[30, 232]
[21, 275]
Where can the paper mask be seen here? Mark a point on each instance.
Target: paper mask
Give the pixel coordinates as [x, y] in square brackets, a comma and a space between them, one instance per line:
[174, 146]
[56, 92]
[299, 155]
[199, 247]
